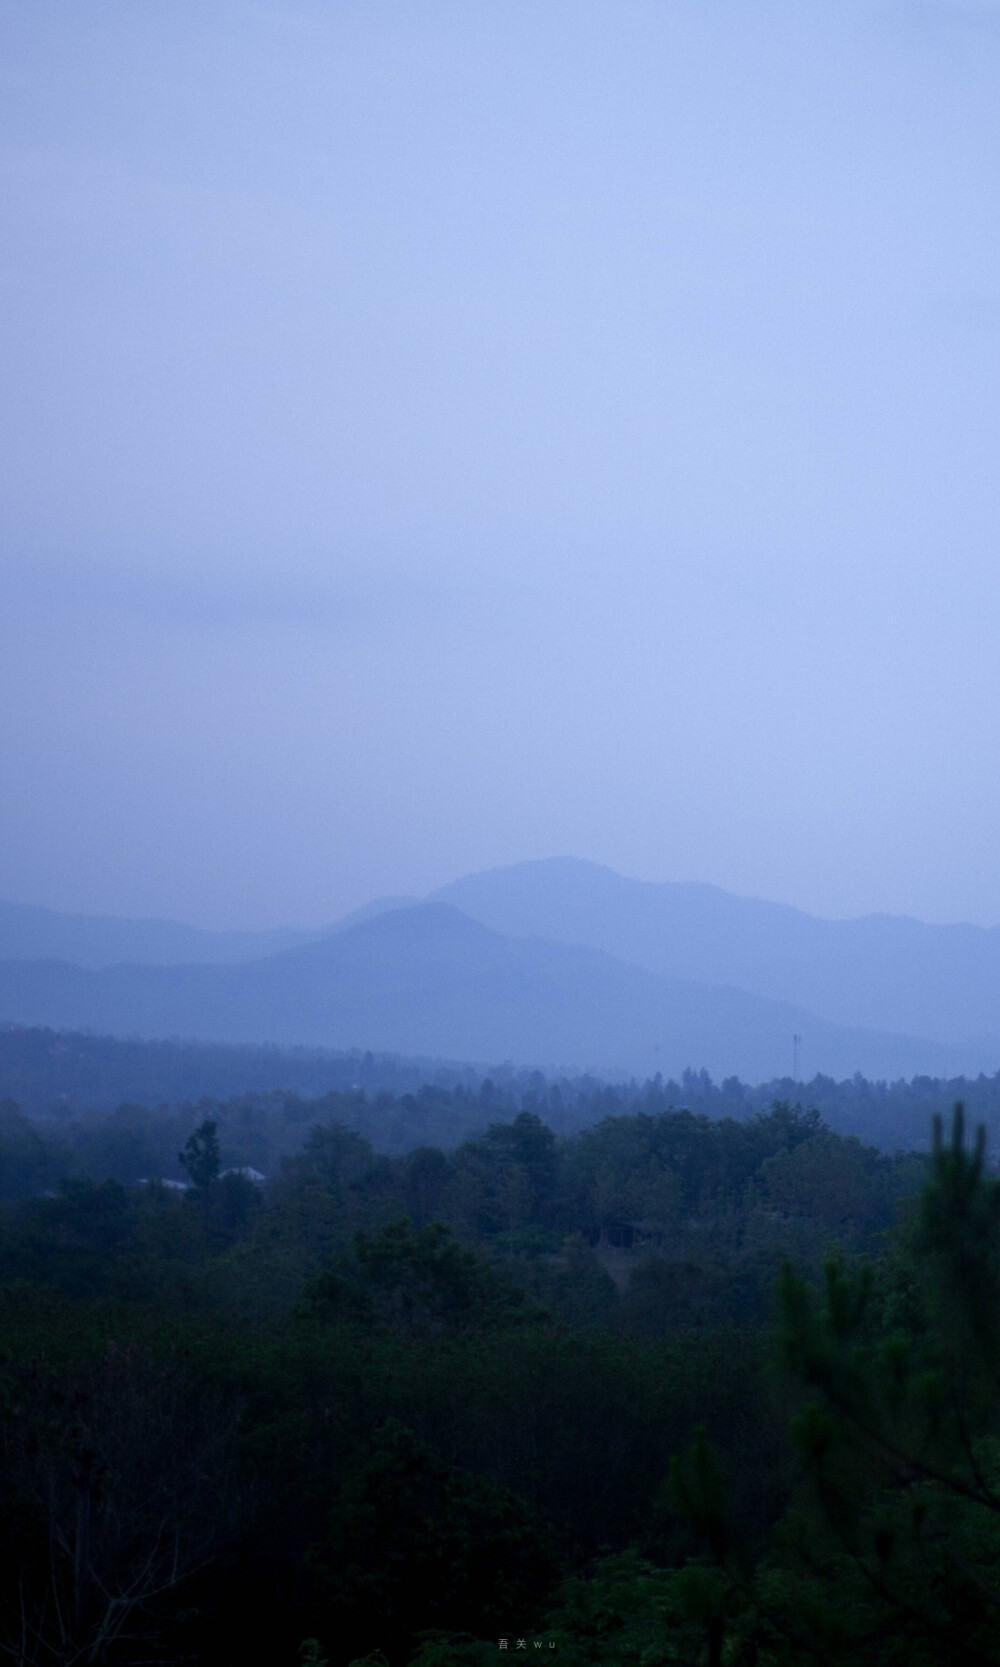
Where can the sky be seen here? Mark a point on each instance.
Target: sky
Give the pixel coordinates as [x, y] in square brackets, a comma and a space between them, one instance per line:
[440, 435]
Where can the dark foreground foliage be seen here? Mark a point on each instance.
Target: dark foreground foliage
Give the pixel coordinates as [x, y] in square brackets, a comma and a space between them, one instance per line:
[668, 1390]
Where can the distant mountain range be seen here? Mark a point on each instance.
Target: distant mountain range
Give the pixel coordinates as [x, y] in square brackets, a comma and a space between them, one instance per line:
[559, 964]
[28, 933]
[880, 972]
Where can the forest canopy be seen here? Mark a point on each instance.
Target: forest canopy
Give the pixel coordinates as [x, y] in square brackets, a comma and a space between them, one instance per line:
[669, 1388]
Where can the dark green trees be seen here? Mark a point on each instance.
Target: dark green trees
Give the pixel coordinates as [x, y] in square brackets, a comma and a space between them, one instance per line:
[115, 1471]
[200, 1156]
[894, 1551]
[416, 1283]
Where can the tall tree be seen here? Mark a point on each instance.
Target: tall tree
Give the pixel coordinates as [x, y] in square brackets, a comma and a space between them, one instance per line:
[897, 1543]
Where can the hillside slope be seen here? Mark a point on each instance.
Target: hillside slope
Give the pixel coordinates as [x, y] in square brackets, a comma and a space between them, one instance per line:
[880, 972]
[427, 980]
[28, 933]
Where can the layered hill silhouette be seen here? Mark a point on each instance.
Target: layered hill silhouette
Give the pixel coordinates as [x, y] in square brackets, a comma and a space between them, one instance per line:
[559, 963]
[881, 972]
[429, 980]
[28, 933]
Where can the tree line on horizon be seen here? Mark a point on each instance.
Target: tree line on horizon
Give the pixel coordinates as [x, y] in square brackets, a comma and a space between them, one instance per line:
[76, 1079]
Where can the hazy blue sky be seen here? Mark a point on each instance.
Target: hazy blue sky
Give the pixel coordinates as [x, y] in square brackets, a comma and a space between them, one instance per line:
[436, 435]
